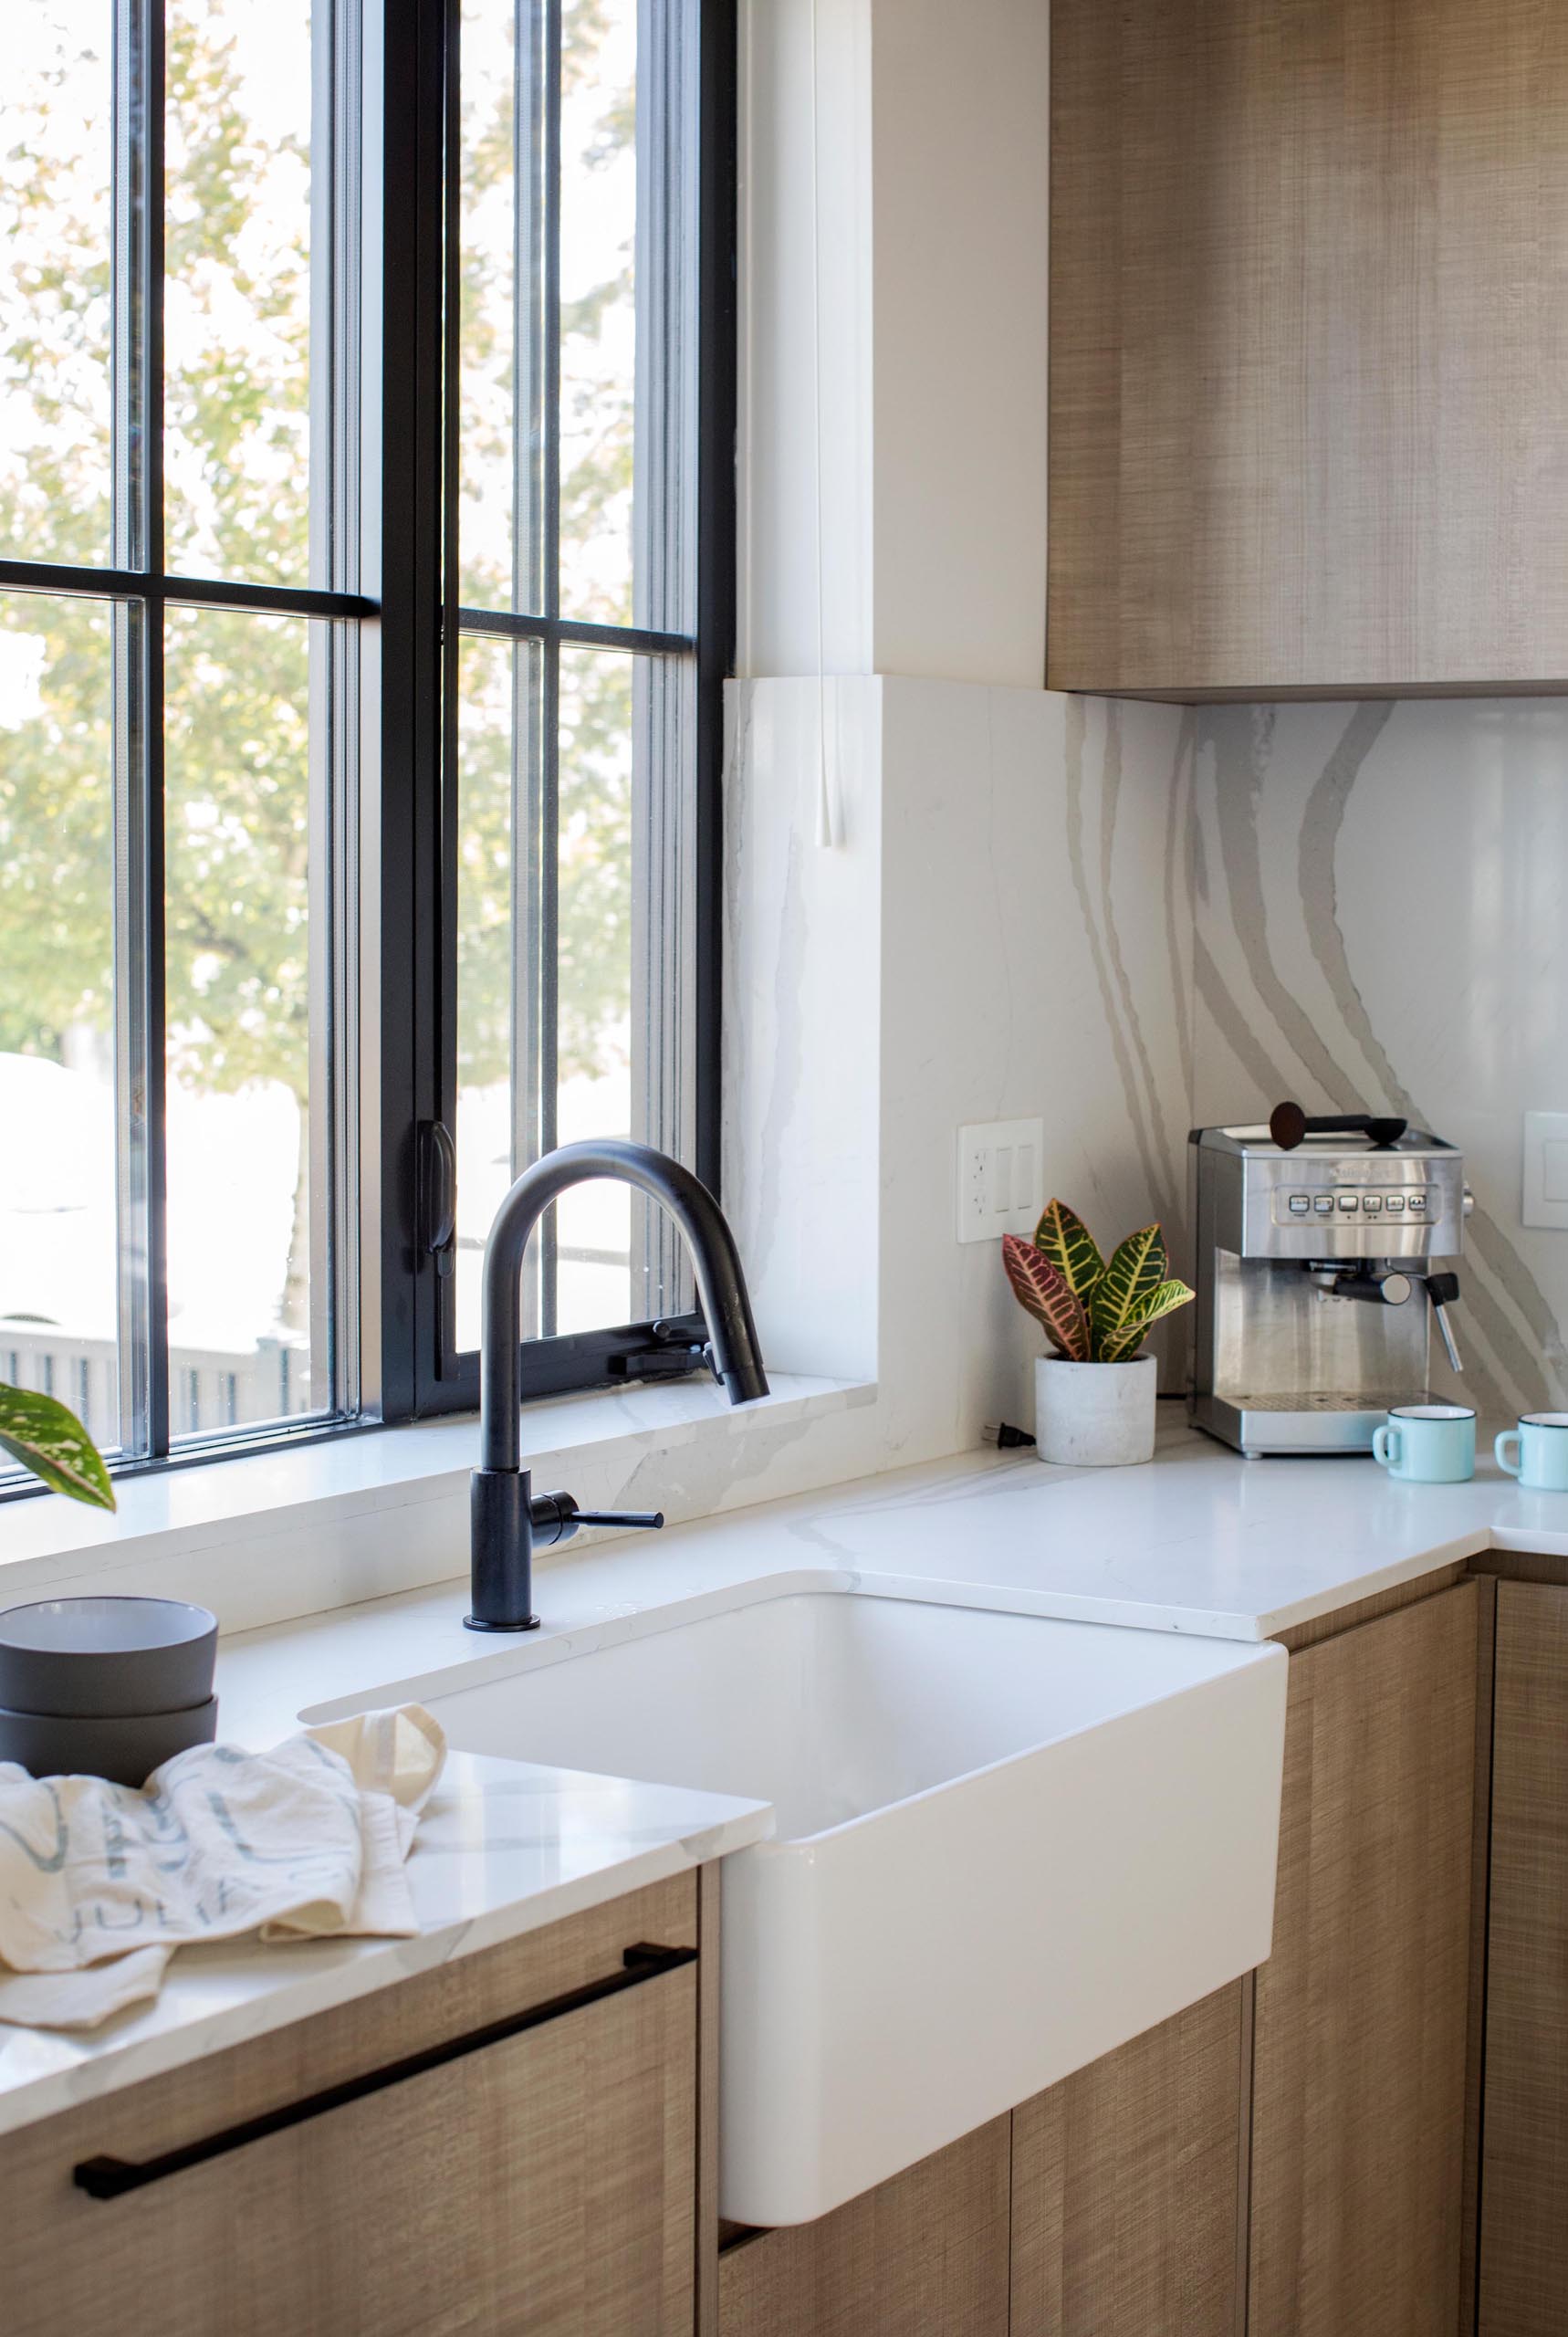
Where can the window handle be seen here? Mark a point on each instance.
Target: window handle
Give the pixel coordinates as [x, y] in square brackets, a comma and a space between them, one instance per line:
[437, 1192]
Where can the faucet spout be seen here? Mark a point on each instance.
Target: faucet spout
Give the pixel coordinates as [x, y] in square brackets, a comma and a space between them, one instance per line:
[504, 1525]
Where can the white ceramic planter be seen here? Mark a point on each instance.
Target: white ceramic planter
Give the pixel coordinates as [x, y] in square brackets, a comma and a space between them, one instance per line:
[1094, 1415]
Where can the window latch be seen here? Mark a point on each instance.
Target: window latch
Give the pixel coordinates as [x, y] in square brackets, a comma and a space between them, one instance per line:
[671, 1351]
[438, 1193]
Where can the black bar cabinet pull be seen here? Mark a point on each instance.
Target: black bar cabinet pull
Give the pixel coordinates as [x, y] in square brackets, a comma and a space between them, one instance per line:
[111, 2179]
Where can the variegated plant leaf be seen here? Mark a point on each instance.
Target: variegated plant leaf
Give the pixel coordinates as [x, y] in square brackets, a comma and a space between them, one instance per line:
[1071, 1247]
[1042, 1290]
[1149, 1309]
[52, 1442]
[1137, 1267]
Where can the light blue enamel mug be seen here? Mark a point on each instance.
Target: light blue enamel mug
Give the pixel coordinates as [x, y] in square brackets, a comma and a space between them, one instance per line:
[1541, 1440]
[1427, 1444]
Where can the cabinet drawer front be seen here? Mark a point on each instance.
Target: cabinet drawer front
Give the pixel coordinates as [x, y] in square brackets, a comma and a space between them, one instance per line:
[543, 2183]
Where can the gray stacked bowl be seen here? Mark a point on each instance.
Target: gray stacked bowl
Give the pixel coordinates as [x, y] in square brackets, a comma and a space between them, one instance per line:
[105, 1687]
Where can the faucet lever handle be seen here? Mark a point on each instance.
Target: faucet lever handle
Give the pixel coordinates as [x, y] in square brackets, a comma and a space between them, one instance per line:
[649, 1520]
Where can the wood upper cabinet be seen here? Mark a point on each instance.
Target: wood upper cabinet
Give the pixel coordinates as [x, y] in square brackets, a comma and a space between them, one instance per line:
[395, 2169]
[1524, 2128]
[1309, 346]
[1361, 2012]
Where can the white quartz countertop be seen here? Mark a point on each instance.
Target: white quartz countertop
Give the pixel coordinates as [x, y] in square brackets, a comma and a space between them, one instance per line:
[503, 1848]
[1198, 1541]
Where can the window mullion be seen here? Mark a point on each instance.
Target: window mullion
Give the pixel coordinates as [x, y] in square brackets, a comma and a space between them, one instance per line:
[137, 543]
[537, 582]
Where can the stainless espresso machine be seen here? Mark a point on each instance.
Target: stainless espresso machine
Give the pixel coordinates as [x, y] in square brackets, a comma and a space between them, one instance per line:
[1322, 1265]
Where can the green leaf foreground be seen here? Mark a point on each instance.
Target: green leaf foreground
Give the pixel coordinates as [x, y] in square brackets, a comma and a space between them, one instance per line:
[1092, 1311]
[1071, 1247]
[1137, 1268]
[1163, 1301]
[50, 1440]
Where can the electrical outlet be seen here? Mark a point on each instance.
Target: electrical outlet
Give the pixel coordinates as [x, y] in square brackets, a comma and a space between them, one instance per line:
[1545, 1168]
[999, 1174]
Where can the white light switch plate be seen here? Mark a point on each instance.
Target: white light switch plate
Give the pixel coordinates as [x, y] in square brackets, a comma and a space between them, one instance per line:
[1545, 1170]
[999, 1173]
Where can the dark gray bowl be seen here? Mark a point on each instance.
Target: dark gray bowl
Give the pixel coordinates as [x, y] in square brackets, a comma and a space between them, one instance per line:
[125, 1747]
[106, 1656]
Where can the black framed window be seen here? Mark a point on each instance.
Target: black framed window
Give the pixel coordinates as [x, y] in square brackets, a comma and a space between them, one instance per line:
[366, 408]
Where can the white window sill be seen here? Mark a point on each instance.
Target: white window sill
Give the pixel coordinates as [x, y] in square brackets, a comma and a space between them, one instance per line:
[168, 1523]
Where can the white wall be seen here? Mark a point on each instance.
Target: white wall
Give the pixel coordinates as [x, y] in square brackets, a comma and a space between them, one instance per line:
[959, 214]
[952, 896]
[921, 191]
[996, 931]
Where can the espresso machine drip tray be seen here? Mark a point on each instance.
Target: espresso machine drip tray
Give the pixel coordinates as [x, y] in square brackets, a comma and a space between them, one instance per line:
[1308, 1422]
[1320, 1401]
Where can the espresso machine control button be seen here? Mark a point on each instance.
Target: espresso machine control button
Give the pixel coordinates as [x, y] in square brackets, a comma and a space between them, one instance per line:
[1396, 1204]
[1300, 1203]
[1323, 1204]
[1349, 1204]
[1418, 1204]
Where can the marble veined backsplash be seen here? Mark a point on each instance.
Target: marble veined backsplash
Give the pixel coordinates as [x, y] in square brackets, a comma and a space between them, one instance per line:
[954, 902]
[1377, 894]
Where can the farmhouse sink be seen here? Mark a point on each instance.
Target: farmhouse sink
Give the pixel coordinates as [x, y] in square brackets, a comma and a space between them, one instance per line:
[1005, 1845]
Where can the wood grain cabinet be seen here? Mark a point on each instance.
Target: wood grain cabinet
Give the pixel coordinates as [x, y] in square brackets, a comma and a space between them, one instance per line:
[507, 2148]
[1524, 2126]
[1105, 2206]
[1360, 2013]
[922, 2254]
[1309, 346]
[1126, 2186]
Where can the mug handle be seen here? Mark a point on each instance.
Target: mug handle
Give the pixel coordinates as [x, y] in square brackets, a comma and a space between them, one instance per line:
[1510, 1436]
[1382, 1437]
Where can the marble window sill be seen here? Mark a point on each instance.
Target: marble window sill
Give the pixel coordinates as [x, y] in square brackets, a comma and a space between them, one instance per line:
[396, 1497]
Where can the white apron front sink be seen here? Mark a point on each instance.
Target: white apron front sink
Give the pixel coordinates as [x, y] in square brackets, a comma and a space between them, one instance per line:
[1006, 1844]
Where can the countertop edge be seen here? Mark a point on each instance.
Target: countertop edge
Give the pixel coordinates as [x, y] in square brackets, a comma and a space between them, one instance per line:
[341, 1972]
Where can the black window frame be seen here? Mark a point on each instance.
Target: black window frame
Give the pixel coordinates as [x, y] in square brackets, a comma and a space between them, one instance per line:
[399, 64]
[411, 1366]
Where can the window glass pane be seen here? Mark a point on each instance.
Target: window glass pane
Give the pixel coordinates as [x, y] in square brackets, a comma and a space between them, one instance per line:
[249, 1283]
[502, 360]
[594, 985]
[573, 1007]
[498, 710]
[237, 300]
[56, 191]
[59, 1307]
[598, 307]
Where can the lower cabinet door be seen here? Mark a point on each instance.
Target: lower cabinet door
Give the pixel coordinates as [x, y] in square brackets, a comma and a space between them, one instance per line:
[1360, 2013]
[923, 2255]
[1126, 2186]
[543, 2186]
[1524, 2126]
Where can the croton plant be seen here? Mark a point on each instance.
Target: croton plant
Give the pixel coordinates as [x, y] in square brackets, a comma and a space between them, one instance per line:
[1092, 1310]
[47, 1437]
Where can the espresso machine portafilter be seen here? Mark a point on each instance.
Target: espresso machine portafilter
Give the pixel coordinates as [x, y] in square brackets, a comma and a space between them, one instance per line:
[1324, 1252]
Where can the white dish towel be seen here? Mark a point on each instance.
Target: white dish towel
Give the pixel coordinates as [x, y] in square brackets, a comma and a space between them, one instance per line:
[99, 1883]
